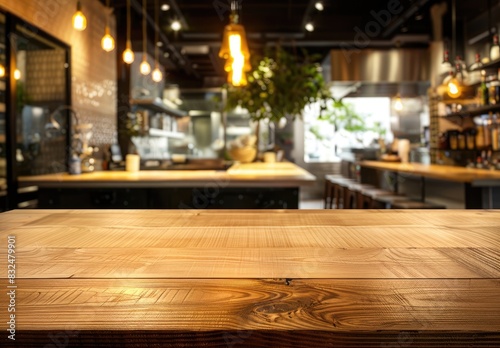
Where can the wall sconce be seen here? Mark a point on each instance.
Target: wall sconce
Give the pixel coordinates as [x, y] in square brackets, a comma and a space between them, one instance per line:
[79, 20]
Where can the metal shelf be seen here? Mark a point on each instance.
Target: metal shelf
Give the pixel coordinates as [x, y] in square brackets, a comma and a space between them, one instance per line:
[159, 106]
[154, 132]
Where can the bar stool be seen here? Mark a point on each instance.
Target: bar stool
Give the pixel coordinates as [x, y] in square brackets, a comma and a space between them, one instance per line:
[411, 204]
[386, 201]
[352, 194]
[329, 194]
[367, 196]
[340, 186]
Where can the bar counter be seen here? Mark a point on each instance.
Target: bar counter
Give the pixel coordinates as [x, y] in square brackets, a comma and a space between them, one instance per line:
[481, 187]
[277, 278]
[249, 185]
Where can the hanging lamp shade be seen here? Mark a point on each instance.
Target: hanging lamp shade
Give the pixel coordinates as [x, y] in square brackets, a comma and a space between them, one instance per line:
[234, 50]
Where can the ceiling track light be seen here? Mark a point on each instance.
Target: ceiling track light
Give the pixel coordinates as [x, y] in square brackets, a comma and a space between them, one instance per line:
[176, 25]
[309, 26]
[128, 54]
[319, 6]
[79, 20]
[144, 68]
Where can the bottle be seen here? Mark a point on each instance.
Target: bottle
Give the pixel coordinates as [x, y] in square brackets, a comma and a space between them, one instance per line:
[495, 49]
[475, 70]
[74, 165]
[494, 135]
[484, 97]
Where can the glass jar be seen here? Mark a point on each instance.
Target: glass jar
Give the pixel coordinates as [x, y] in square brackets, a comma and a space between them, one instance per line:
[453, 139]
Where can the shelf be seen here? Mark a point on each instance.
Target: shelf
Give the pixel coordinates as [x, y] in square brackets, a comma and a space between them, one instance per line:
[491, 65]
[159, 106]
[483, 110]
[154, 132]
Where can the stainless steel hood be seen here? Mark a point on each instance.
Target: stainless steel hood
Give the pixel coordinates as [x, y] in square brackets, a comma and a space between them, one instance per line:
[378, 65]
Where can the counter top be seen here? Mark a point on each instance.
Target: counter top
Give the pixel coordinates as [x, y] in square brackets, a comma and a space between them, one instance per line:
[293, 277]
[476, 177]
[282, 174]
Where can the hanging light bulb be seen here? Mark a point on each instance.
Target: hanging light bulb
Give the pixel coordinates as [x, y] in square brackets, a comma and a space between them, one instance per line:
[454, 88]
[309, 26]
[176, 25]
[234, 49]
[319, 6]
[157, 76]
[128, 54]
[107, 41]
[17, 74]
[2, 71]
[144, 68]
[398, 103]
[79, 20]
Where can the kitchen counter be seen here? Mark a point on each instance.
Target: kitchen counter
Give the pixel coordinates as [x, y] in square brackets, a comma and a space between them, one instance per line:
[247, 278]
[237, 187]
[481, 187]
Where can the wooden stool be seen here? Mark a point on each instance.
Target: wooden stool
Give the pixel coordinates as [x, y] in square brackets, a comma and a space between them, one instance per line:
[367, 196]
[386, 201]
[329, 194]
[352, 195]
[410, 204]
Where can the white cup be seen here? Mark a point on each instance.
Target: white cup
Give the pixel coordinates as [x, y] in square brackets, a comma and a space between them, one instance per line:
[269, 157]
[132, 163]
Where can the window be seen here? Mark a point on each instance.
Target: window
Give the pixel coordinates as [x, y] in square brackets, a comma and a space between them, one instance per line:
[359, 123]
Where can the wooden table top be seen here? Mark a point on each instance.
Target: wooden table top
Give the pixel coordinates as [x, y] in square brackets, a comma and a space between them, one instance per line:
[477, 177]
[326, 274]
[281, 174]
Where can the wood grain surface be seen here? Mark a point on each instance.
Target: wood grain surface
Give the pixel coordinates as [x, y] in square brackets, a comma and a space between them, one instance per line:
[478, 177]
[256, 278]
[280, 174]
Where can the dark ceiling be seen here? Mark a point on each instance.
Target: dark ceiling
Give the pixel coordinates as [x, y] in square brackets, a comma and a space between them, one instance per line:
[191, 55]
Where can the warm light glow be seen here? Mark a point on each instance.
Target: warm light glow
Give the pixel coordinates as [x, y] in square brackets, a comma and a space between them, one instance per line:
[17, 74]
[2, 70]
[145, 68]
[79, 21]
[128, 54]
[176, 25]
[309, 26]
[165, 7]
[235, 50]
[107, 42]
[157, 75]
[319, 6]
[398, 104]
[454, 88]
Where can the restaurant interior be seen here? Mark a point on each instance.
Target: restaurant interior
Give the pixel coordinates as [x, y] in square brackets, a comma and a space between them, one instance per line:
[229, 173]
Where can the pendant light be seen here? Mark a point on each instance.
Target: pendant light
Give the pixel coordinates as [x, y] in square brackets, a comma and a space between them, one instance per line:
[398, 103]
[107, 41]
[156, 75]
[144, 68]
[454, 80]
[79, 20]
[128, 54]
[2, 71]
[235, 49]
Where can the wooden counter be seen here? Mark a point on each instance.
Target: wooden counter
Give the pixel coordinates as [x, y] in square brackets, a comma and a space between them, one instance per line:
[194, 188]
[476, 177]
[481, 187]
[253, 278]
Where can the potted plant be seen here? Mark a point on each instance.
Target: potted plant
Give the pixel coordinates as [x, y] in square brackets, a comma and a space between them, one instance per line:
[280, 85]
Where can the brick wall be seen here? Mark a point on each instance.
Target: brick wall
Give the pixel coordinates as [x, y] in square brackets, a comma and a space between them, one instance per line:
[93, 71]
